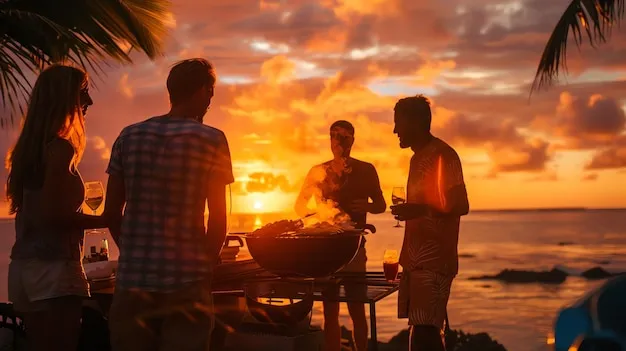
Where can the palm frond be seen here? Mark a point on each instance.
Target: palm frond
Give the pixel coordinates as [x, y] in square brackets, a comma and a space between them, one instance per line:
[594, 19]
[13, 82]
[87, 33]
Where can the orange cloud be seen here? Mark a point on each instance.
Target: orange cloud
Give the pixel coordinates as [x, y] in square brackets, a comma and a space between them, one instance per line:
[125, 87]
[611, 157]
[585, 122]
[278, 70]
[333, 40]
[348, 8]
[99, 145]
[431, 70]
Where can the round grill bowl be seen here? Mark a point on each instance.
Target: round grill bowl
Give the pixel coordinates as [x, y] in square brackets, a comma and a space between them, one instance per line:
[314, 256]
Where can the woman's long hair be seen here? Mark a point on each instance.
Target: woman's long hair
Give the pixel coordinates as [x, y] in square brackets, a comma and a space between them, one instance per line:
[54, 110]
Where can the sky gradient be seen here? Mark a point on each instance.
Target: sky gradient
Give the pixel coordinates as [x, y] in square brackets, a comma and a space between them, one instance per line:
[288, 69]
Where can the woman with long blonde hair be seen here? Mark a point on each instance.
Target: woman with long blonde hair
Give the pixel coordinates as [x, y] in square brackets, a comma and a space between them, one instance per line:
[46, 279]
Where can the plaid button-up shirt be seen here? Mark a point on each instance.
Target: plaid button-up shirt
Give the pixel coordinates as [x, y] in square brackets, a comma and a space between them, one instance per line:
[167, 164]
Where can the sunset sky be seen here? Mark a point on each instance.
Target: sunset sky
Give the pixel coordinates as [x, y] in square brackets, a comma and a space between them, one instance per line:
[288, 68]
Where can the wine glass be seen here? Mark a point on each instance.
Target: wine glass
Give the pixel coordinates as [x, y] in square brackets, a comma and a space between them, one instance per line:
[398, 197]
[94, 195]
[391, 265]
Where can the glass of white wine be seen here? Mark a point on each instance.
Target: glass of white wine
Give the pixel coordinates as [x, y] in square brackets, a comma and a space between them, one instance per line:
[94, 195]
[398, 197]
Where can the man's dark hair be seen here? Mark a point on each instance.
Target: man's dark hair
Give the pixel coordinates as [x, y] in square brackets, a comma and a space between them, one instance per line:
[415, 107]
[343, 124]
[187, 77]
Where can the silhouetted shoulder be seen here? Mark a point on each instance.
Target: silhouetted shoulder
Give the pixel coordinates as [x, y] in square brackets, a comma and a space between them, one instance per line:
[59, 150]
[446, 150]
[60, 145]
[212, 132]
[59, 155]
[139, 125]
[155, 124]
[130, 129]
[362, 165]
[202, 130]
[316, 174]
[320, 168]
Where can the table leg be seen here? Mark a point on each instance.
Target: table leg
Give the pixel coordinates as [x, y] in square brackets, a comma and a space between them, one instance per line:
[374, 338]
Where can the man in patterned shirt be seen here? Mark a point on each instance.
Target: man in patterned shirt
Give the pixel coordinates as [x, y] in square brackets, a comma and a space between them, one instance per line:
[164, 170]
[436, 200]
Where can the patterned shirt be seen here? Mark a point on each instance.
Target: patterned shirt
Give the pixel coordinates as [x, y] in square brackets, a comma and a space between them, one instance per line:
[167, 164]
[430, 243]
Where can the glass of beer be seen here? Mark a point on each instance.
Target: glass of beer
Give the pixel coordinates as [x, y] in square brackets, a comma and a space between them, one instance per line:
[390, 265]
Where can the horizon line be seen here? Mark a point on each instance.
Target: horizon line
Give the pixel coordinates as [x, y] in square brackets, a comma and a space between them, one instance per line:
[482, 210]
[529, 209]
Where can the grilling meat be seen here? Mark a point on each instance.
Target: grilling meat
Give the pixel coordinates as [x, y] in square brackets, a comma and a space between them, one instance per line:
[296, 228]
[326, 228]
[278, 228]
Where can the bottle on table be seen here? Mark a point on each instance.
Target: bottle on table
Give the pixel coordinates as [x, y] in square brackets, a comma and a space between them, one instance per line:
[104, 250]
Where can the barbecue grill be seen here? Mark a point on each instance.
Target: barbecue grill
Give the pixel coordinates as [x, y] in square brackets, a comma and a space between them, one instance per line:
[307, 255]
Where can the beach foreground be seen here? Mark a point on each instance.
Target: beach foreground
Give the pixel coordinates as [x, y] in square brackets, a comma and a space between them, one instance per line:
[518, 315]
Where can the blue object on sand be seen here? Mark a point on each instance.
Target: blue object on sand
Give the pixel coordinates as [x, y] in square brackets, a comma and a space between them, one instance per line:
[571, 323]
[599, 316]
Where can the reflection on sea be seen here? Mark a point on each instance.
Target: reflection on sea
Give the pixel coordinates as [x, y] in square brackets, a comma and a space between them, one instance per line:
[518, 315]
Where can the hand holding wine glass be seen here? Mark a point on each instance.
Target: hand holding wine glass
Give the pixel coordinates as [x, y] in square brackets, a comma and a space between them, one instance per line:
[94, 195]
[398, 197]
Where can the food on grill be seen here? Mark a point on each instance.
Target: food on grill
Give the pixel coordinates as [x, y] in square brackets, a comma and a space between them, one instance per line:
[296, 228]
[325, 228]
[278, 228]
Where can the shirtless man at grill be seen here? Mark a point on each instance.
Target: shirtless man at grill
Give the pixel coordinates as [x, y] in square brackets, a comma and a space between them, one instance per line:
[350, 184]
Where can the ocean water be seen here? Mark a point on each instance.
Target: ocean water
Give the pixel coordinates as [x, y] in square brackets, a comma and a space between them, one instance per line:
[517, 315]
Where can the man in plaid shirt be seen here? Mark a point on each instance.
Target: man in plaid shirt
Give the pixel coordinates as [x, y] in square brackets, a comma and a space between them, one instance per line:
[164, 170]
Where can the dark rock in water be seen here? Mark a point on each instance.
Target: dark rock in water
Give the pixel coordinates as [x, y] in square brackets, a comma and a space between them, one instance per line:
[555, 276]
[565, 243]
[456, 340]
[598, 273]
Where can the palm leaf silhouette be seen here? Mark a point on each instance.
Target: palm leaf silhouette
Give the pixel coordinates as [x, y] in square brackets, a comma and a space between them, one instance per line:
[35, 33]
[593, 19]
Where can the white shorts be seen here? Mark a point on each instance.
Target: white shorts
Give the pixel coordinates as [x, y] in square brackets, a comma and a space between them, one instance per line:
[32, 282]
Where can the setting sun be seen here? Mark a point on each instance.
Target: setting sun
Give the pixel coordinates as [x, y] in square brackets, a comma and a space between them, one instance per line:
[270, 202]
